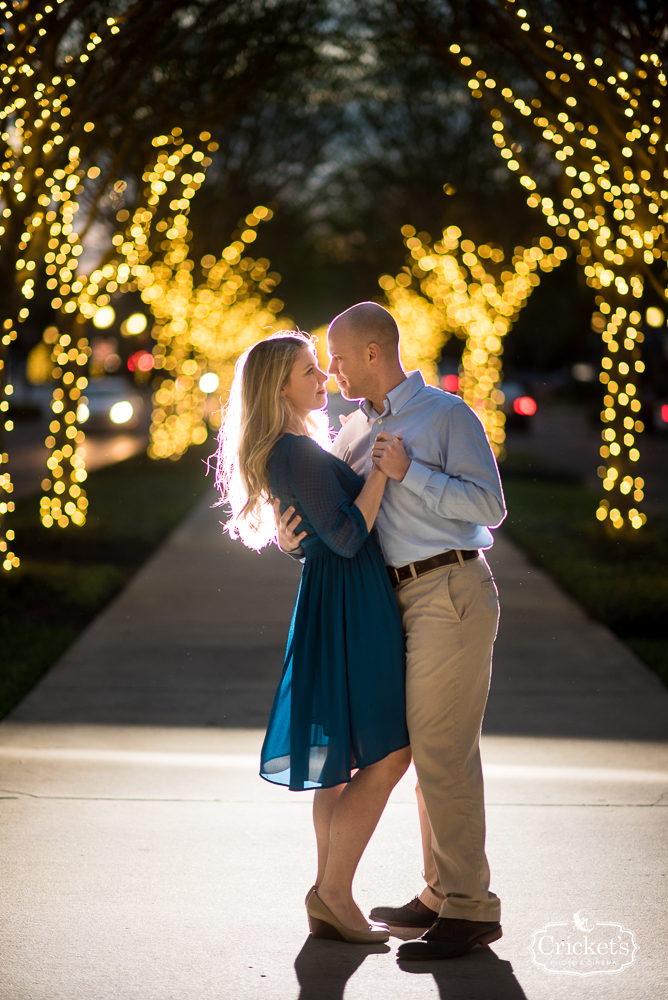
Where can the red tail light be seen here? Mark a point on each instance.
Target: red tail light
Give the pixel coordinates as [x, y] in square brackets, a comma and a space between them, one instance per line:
[525, 405]
[141, 361]
[450, 383]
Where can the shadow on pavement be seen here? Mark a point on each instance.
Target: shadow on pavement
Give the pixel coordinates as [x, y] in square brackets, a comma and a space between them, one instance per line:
[481, 973]
[323, 968]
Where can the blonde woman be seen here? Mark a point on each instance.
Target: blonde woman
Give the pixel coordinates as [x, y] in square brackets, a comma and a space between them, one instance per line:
[338, 723]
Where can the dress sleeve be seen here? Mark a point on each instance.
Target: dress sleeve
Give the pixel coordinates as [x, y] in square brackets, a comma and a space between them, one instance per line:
[336, 519]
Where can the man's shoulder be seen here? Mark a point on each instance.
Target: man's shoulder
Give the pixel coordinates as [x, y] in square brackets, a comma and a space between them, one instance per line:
[437, 400]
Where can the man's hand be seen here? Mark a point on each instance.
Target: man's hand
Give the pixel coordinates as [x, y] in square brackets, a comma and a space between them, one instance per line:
[389, 456]
[286, 527]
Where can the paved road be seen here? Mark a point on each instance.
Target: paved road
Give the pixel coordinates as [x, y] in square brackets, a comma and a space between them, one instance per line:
[144, 857]
[28, 454]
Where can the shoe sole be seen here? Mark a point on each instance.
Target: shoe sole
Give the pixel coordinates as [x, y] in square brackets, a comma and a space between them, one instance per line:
[323, 931]
[482, 942]
[420, 920]
[398, 923]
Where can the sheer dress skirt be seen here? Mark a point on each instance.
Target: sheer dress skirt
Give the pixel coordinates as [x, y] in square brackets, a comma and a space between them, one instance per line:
[340, 703]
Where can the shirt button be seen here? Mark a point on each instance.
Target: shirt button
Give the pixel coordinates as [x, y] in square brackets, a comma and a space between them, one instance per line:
[380, 421]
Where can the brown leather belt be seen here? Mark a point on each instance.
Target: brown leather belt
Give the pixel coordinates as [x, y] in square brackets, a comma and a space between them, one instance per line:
[414, 570]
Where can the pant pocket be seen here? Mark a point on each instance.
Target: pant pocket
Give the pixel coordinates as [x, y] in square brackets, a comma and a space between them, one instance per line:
[456, 597]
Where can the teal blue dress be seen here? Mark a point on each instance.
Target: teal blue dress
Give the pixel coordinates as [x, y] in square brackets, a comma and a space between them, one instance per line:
[340, 703]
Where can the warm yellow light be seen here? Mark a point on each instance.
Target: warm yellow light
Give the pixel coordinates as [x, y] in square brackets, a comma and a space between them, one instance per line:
[121, 412]
[134, 325]
[460, 293]
[104, 317]
[209, 382]
[654, 316]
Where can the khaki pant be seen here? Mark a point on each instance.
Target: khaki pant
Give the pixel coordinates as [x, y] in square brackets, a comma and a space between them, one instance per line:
[450, 617]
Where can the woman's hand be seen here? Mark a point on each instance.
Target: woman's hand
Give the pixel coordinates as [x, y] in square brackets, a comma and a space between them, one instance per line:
[286, 527]
[370, 498]
[389, 456]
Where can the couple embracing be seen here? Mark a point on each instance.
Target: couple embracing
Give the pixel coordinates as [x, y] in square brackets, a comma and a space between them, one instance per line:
[389, 652]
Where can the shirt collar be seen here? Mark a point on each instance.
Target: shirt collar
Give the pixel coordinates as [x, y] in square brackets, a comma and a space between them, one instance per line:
[397, 398]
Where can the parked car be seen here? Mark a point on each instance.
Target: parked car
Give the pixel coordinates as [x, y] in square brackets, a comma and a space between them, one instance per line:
[110, 404]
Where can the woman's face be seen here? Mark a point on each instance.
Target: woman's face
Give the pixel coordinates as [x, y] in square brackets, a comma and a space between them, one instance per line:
[305, 389]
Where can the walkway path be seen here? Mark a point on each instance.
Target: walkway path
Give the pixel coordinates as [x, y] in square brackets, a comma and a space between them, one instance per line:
[143, 856]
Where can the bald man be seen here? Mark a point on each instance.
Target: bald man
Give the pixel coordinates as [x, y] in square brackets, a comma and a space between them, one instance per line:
[443, 494]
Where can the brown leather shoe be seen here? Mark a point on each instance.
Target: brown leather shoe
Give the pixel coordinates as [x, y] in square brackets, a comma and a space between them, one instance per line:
[413, 914]
[450, 938]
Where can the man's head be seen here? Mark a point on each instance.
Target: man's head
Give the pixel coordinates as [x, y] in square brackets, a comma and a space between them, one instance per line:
[363, 344]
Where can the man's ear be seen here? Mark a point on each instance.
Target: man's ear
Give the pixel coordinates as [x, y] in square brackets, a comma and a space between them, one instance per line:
[373, 353]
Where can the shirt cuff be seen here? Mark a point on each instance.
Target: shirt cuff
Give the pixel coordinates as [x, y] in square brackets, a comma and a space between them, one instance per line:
[416, 478]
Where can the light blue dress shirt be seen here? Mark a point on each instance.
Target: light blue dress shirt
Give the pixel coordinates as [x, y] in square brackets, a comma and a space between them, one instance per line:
[450, 495]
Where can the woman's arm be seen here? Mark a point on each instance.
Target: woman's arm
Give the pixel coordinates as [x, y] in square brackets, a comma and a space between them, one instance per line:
[336, 518]
[369, 499]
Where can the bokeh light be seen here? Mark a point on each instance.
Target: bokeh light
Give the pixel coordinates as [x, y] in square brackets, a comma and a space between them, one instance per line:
[198, 328]
[655, 316]
[141, 361]
[104, 317]
[601, 121]
[451, 286]
[209, 382]
[525, 406]
[134, 325]
[121, 412]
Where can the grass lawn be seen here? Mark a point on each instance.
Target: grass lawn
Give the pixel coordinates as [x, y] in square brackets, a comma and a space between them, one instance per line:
[68, 575]
[622, 582]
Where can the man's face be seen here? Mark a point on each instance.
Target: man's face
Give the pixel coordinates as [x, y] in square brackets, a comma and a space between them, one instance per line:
[349, 363]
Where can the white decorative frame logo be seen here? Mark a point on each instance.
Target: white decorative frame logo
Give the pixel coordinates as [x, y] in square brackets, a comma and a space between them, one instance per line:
[583, 948]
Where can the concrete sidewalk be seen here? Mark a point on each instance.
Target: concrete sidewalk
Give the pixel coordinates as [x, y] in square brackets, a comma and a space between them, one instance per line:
[145, 858]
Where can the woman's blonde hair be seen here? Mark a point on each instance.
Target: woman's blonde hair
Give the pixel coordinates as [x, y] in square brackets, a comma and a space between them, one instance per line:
[255, 417]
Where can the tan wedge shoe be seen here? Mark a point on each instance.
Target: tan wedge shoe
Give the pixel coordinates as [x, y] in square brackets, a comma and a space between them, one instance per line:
[310, 893]
[324, 924]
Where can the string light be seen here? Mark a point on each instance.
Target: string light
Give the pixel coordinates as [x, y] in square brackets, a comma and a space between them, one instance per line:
[33, 116]
[9, 558]
[198, 328]
[613, 208]
[41, 181]
[64, 498]
[202, 330]
[455, 287]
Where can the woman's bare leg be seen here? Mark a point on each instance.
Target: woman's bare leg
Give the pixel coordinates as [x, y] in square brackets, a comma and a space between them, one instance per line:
[354, 817]
[324, 803]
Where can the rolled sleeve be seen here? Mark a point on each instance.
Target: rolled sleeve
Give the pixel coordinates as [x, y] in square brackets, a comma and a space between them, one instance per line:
[467, 487]
[417, 478]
